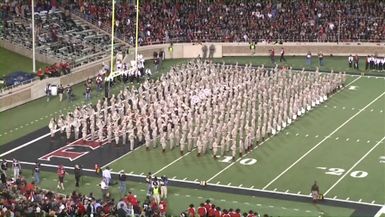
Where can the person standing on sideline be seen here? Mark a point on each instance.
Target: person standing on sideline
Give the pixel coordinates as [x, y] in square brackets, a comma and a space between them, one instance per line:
[60, 174]
[107, 175]
[122, 183]
[16, 168]
[156, 194]
[104, 188]
[282, 58]
[356, 61]
[321, 58]
[48, 92]
[36, 173]
[272, 56]
[163, 187]
[314, 191]
[350, 61]
[78, 174]
[60, 91]
[308, 58]
[4, 167]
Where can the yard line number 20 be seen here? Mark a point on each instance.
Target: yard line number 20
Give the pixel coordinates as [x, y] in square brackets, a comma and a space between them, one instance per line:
[340, 171]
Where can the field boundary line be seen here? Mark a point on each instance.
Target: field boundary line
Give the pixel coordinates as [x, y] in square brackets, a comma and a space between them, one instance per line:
[174, 161]
[268, 139]
[380, 212]
[323, 140]
[210, 184]
[354, 165]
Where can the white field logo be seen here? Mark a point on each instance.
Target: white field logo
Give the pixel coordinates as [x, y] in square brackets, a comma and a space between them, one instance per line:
[382, 159]
[353, 87]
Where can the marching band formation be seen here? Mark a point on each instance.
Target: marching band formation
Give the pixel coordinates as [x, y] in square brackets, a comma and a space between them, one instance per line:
[203, 106]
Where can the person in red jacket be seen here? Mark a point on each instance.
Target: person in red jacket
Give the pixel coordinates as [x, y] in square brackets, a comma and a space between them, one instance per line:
[237, 213]
[251, 214]
[208, 205]
[163, 208]
[191, 211]
[225, 213]
[40, 74]
[202, 211]
[60, 173]
[218, 212]
[211, 211]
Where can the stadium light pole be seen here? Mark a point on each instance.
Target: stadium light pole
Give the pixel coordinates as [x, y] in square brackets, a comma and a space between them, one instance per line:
[137, 31]
[112, 36]
[33, 37]
[339, 26]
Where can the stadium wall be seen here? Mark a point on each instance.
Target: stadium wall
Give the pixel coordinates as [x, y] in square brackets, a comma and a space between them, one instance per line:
[188, 50]
[27, 52]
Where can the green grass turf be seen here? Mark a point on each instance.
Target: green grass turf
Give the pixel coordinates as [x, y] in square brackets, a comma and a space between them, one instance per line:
[22, 119]
[279, 152]
[180, 198]
[272, 157]
[10, 62]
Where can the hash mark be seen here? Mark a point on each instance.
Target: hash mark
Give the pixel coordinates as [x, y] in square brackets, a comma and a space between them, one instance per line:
[307, 211]
[296, 209]
[287, 191]
[298, 192]
[358, 140]
[235, 201]
[347, 198]
[373, 201]
[316, 136]
[271, 206]
[252, 186]
[141, 174]
[223, 200]
[258, 204]
[176, 194]
[306, 135]
[218, 182]
[337, 138]
[347, 139]
[188, 195]
[185, 179]
[195, 180]
[229, 184]
[368, 141]
[283, 207]
[296, 134]
[174, 177]
[275, 189]
[360, 200]
[334, 197]
[240, 185]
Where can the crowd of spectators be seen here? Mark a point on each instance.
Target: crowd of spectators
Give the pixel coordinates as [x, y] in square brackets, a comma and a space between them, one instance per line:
[236, 21]
[20, 198]
[208, 209]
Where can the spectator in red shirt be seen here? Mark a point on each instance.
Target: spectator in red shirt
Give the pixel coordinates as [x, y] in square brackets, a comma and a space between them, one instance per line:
[60, 173]
[202, 211]
[211, 211]
[225, 213]
[218, 212]
[191, 211]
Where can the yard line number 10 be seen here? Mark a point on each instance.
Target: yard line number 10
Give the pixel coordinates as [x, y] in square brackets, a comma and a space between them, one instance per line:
[340, 171]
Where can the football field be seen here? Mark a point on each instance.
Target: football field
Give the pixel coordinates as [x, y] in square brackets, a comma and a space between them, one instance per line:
[340, 144]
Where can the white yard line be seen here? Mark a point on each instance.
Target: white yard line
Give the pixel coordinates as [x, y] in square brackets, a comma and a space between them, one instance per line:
[380, 212]
[351, 168]
[126, 154]
[179, 158]
[323, 140]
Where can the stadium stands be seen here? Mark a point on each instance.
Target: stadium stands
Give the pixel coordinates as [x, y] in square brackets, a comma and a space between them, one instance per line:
[58, 35]
[236, 21]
